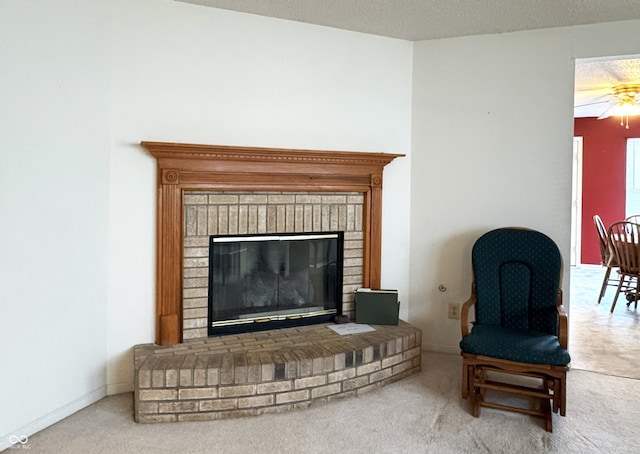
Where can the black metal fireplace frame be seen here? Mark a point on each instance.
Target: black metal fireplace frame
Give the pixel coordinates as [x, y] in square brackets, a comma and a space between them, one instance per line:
[294, 320]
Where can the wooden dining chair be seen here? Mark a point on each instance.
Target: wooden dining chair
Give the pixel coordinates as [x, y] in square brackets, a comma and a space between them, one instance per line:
[633, 218]
[624, 237]
[607, 258]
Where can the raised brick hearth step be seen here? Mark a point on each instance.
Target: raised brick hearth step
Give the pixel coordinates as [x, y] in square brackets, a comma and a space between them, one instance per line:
[271, 371]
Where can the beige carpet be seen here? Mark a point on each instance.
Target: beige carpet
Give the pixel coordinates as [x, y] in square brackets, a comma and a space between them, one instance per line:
[421, 414]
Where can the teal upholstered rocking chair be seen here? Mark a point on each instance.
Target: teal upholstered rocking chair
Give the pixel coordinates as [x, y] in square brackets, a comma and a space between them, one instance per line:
[520, 326]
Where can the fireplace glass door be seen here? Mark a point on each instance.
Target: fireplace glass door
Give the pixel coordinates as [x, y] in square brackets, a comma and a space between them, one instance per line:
[259, 282]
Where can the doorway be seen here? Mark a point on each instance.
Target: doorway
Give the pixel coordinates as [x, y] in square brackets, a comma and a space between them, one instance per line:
[576, 202]
[601, 341]
[632, 203]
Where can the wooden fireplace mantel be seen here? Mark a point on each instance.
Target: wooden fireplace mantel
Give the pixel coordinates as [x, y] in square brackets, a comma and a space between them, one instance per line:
[189, 167]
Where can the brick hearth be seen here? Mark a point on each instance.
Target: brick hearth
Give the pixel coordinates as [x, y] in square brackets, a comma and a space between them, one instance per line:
[271, 371]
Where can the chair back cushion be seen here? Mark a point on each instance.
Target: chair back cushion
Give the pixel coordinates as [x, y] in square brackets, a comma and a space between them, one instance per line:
[517, 274]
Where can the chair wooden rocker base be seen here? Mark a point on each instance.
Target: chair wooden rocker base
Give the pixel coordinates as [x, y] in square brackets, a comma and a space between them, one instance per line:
[549, 389]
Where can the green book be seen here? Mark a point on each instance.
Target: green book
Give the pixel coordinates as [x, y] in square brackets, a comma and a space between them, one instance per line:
[377, 307]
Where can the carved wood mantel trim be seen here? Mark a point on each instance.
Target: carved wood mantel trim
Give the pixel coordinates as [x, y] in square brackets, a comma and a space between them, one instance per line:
[190, 167]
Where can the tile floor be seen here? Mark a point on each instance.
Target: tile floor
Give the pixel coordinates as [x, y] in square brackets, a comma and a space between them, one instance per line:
[599, 340]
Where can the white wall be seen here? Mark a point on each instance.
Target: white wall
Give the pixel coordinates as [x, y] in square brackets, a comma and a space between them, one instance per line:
[81, 84]
[183, 73]
[53, 210]
[492, 134]
[80, 87]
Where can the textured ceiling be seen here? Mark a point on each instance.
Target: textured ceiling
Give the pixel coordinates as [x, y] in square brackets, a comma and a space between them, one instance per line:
[417, 20]
[596, 78]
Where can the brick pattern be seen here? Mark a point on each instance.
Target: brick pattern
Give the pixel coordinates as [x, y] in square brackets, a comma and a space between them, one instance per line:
[217, 213]
[280, 370]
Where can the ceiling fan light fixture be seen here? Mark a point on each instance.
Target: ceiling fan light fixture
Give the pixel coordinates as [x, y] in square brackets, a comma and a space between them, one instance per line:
[628, 104]
[624, 91]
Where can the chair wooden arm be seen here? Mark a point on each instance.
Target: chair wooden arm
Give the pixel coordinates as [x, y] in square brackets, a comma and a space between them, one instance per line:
[563, 322]
[464, 313]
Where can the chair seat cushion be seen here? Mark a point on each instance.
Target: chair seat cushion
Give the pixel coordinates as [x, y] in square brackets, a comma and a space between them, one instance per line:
[515, 345]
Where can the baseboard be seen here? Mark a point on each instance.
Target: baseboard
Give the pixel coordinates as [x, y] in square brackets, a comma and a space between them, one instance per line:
[588, 266]
[22, 433]
[438, 348]
[119, 388]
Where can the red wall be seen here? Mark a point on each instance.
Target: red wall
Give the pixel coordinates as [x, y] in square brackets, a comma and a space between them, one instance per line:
[603, 175]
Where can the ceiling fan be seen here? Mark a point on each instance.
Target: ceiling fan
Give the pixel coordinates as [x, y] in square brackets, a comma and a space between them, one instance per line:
[622, 100]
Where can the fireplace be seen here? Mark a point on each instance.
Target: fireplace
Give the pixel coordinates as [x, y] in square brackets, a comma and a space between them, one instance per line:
[209, 190]
[183, 168]
[259, 282]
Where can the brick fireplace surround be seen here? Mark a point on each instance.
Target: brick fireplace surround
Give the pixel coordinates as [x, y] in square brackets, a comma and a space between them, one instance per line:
[232, 212]
[183, 378]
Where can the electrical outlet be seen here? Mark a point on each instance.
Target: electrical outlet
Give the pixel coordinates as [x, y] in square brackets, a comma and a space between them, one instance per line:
[454, 310]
